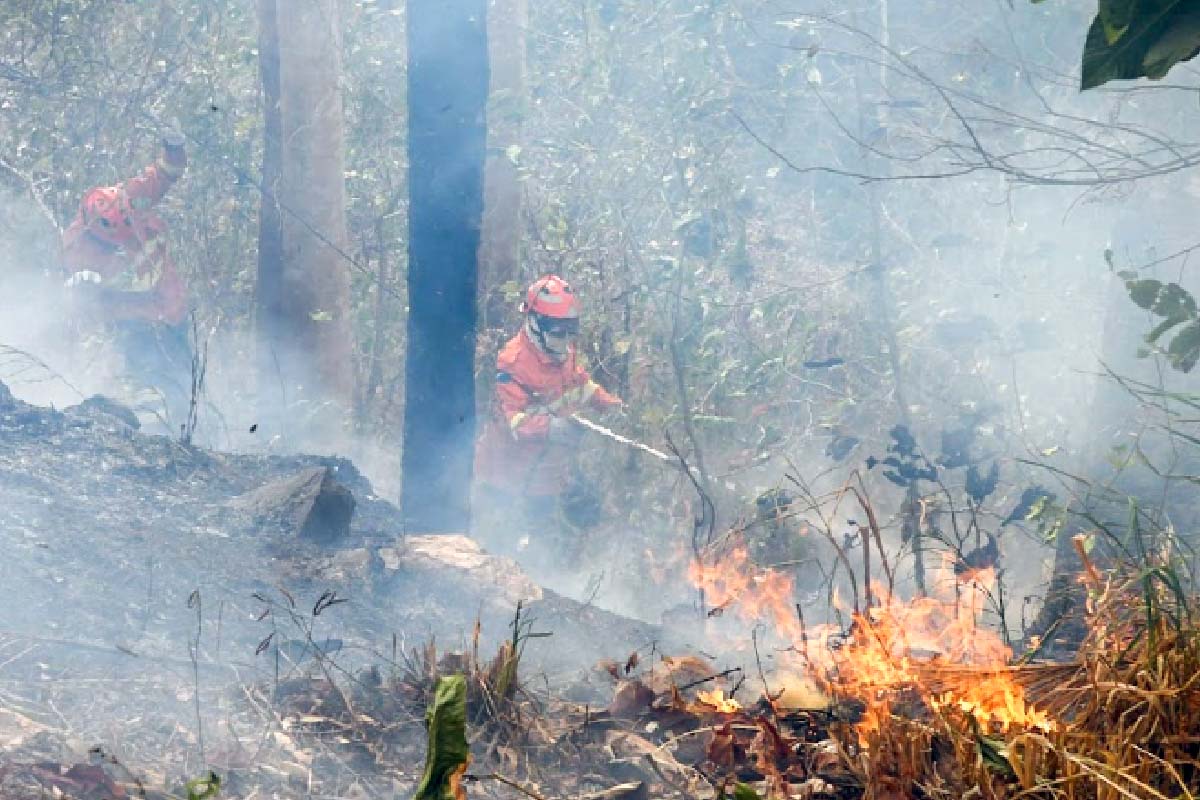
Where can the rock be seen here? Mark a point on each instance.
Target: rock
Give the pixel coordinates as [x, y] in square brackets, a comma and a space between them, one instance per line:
[312, 504]
[98, 404]
[634, 790]
[460, 560]
[16, 728]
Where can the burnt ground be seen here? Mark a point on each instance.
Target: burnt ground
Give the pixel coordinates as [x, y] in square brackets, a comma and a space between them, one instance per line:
[137, 602]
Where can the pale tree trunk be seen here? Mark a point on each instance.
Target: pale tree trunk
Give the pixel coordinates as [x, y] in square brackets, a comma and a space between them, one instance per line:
[314, 350]
[447, 134]
[500, 245]
[268, 292]
[882, 298]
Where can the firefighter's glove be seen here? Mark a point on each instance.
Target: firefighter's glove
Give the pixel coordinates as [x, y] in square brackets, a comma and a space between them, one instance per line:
[564, 432]
[84, 278]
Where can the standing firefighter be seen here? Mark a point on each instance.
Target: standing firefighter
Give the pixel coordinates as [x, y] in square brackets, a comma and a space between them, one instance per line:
[526, 454]
[125, 289]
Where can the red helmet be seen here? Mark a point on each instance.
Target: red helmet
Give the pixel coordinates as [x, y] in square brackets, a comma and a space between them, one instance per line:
[108, 214]
[552, 297]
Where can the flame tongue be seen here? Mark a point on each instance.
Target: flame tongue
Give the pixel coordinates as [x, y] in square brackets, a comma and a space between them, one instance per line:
[717, 699]
[929, 649]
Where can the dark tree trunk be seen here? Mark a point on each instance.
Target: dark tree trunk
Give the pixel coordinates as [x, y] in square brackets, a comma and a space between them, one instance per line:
[268, 288]
[447, 134]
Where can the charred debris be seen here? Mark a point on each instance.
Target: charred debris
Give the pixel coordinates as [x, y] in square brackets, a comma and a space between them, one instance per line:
[241, 683]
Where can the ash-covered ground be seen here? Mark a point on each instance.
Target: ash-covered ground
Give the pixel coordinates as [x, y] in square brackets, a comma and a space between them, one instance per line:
[140, 595]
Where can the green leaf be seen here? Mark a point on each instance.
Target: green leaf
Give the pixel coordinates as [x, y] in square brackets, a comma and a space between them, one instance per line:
[1174, 302]
[1162, 328]
[448, 754]
[1180, 42]
[205, 788]
[1037, 509]
[1184, 350]
[1130, 40]
[1050, 532]
[1144, 292]
[994, 753]
[1115, 16]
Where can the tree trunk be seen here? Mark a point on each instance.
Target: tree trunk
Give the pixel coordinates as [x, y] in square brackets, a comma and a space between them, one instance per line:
[268, 292]
[500, 248]
[383, 284]
[1115, 417]
[313, 342]
[447, 96]
[882, 299]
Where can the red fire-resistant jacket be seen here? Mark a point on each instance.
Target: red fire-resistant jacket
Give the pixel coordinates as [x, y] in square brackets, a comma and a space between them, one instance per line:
[143, 272]
[514, 453]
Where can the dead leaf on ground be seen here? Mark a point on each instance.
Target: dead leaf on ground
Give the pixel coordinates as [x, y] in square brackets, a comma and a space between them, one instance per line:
[721, 748]
[631, 698]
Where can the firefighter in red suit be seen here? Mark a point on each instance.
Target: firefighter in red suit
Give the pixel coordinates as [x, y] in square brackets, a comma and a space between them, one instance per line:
[124, 286]
[525, 455]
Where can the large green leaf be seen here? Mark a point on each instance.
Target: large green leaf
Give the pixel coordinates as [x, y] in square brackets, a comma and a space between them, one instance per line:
[1162, 328]
[1156, 35]
[1174, 302]
[1115, 16]
[994, 754]
[1168, 300]
[1184, 349]
[1144, 292]
[448, 754]
[1180, 42]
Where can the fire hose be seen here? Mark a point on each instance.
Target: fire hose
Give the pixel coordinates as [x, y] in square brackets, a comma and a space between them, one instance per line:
[707, 513]
[612, 435]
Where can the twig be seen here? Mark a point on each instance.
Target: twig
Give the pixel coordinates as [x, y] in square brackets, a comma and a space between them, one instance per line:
[195, 602]
[719, 675]
[762, 675]
[511, 783]
[803, 634]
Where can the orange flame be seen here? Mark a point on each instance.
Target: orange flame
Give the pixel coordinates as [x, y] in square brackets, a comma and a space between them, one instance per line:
[930, 648]
[717, 699]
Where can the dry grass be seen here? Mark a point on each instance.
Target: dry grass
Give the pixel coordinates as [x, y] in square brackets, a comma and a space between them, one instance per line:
[1126, 712]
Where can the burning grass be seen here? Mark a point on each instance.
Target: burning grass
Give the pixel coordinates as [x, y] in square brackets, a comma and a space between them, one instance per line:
[903, 698]
[947, 713]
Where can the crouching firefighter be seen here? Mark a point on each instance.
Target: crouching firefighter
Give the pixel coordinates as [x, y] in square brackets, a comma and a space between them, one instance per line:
[526, 455]
[124, 290]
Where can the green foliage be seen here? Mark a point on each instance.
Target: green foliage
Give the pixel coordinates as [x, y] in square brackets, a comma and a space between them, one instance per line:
[1139, 39]
[994, 754]
[448, 753]
[741, 791]
[1049, 516]
[203, 788]
[1177, 307]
